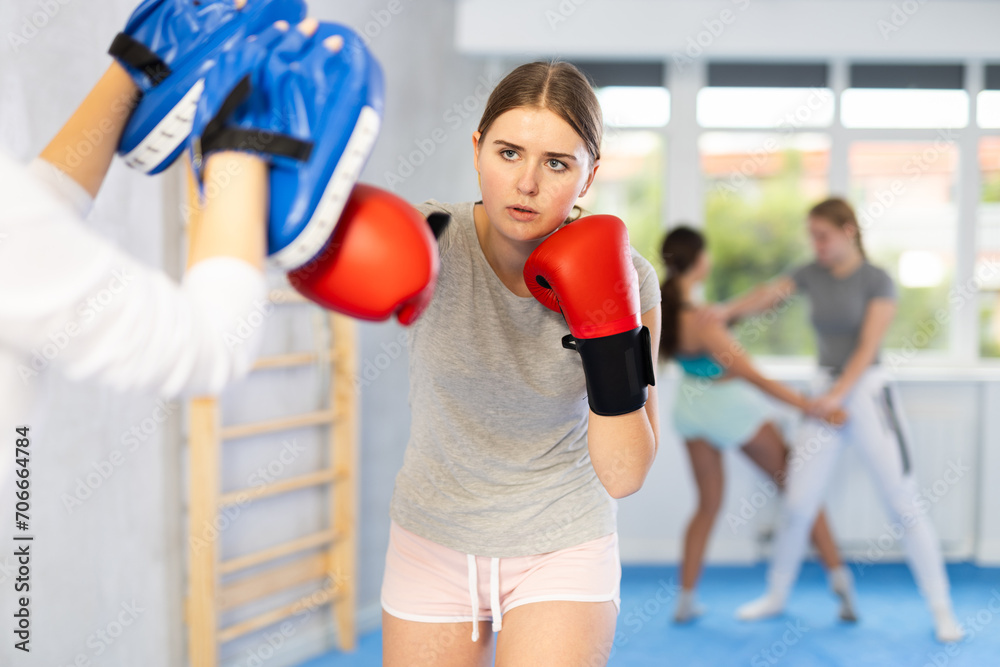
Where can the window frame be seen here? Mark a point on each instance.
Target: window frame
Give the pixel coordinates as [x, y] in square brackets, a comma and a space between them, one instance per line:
[963, 343]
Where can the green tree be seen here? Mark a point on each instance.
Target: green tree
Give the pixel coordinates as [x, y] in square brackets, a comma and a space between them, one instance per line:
[991, 186]
[756, 232]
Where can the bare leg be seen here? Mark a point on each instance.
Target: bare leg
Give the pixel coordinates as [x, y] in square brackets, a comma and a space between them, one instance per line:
[706, 464]
[413, 644]
[557, 634]
[822, 537]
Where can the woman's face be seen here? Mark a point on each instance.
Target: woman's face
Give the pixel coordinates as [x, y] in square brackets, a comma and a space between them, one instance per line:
[533, 167]
[702, 267]
[832, 244]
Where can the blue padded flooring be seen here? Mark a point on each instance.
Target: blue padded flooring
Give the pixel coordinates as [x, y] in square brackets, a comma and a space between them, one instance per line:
[894, 629]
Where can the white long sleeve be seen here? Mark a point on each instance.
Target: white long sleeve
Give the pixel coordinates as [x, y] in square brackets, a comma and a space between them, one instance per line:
[66, 189]
[71, 299]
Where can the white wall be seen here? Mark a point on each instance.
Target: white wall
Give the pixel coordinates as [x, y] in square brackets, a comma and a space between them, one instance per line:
[987, 518]
[774, 29]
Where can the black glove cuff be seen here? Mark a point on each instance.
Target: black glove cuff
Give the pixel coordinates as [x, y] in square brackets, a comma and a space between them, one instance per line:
[618, 369]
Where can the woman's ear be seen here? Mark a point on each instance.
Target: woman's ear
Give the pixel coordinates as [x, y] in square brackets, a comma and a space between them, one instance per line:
[475, 148]
[590, 179]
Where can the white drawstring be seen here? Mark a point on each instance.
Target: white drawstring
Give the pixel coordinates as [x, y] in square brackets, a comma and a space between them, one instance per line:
[474, 596]
[495, 593]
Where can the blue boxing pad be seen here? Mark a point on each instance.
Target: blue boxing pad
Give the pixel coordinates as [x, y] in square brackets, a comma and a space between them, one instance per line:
[167, 47]
[312, 113]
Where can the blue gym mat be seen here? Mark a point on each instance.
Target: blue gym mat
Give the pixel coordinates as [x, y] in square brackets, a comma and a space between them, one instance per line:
[894, 629]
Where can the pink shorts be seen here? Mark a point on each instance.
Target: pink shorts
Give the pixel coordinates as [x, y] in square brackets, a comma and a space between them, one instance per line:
[430, 583]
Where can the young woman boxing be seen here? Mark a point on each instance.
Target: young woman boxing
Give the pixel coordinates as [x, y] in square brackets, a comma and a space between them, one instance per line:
[852, 305]
[718, 407]
[527, 424]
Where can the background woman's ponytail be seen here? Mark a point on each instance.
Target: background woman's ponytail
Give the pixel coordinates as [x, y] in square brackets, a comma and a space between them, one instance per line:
[681, 249]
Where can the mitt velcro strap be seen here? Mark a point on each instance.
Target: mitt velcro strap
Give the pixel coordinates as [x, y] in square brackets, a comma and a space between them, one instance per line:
[137, 55]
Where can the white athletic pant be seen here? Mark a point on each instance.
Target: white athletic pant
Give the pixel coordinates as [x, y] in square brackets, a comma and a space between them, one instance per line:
[877, 427]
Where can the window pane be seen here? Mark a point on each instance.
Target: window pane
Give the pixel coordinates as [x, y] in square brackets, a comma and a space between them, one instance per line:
[758, 189]
[988, 248]
[877, 107]
[765, 107]
[988, 108]
[904, 197]
[635, 106]
[629, 184]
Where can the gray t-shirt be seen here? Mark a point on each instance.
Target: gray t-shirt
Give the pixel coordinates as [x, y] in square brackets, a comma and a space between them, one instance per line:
[497, 462]
[838, 306]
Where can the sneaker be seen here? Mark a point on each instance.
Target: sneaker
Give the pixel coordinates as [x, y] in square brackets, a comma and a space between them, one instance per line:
[688, 609]
[767, 606]
[947, 629]
[842, 585]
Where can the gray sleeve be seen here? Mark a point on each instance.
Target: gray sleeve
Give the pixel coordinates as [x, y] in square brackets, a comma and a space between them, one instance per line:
[649, 283]
[800, 276]
[434, 206]
[880, 285]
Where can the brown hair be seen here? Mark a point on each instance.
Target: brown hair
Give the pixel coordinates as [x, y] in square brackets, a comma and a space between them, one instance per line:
[680, 250]
[557, 86]
[838, 212]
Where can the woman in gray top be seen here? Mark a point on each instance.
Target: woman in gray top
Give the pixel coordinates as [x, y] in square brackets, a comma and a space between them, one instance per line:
[505, 505]
[852, 304]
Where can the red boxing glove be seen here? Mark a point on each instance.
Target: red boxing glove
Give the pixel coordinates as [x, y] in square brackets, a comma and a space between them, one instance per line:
[382, 259]
[584, 270]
